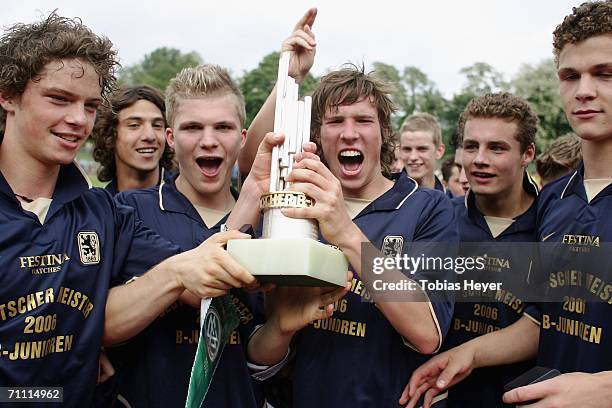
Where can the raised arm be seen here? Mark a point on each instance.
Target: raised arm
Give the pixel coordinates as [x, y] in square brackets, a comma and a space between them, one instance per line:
[301, 44]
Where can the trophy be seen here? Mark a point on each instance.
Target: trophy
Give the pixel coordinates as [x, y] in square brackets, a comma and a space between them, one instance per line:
[289, 252]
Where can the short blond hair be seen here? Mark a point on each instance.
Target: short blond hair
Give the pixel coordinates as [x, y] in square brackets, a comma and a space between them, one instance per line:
[423, 122]
[504, 106]
[205, 80]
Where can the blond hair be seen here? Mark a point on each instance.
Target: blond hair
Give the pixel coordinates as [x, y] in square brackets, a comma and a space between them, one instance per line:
[423, 122]
[205, 80]
[502, 106]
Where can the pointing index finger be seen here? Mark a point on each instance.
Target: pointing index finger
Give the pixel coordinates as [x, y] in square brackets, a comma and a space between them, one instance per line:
[307, 19]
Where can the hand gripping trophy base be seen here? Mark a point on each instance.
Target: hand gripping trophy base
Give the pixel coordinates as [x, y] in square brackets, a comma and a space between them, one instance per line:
[289, 253]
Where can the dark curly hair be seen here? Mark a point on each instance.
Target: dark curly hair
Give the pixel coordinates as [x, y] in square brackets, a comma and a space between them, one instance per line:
[349, 85]
[588, 20]
[506, 106]
[25, 49]
[105, 129]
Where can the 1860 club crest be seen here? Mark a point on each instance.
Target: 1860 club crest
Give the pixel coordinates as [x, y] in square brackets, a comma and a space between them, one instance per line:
[89, 247]
[392, 245]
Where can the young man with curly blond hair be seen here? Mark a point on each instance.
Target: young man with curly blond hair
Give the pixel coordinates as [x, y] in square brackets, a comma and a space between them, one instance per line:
[497, 132]
[573, 213]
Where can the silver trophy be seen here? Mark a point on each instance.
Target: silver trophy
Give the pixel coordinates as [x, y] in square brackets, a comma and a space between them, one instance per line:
[289, 252]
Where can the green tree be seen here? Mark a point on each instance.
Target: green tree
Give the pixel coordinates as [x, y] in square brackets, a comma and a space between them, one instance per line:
[413, 91]
[482, 78]
[257, 84]
[159, 67]
[538, 84]
[449, 117]
[391, 76]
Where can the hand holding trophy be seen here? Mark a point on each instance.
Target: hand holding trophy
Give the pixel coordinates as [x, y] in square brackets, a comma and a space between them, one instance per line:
[288, 252]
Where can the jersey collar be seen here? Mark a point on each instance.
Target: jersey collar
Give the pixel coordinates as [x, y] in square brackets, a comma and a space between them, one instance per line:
[71, 183]
[524, 222]
[395, 197]
[438, 185]
[575, 185]
[172, 200]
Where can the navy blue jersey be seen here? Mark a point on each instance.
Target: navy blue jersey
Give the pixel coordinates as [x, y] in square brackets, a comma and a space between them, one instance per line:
[575, 333]
[484, 387]
[164, 175]
[156, 365]
[356, 358]
[54, 280]
[438, 185]
[106, 392]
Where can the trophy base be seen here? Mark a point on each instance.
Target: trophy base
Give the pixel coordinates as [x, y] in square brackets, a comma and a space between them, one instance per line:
[291, 262]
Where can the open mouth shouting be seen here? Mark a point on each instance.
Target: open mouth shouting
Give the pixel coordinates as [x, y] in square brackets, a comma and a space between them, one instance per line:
[351, 161]
[209, 165]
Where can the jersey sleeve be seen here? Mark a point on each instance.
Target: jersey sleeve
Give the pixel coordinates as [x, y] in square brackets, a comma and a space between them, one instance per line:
[437, 236]
[137, 248]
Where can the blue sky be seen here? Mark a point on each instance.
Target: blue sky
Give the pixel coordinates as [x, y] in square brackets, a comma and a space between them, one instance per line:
[440, 37]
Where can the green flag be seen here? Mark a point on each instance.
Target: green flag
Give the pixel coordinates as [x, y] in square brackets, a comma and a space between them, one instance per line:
[218, 320]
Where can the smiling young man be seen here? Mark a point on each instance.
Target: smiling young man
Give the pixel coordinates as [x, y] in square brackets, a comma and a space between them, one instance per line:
[129, 137]
[569, 339]
[498, 137]
[65, 242]
[420, 147]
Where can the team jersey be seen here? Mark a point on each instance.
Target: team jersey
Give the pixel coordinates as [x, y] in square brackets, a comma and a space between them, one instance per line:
[438, 185]
[54, 281]
[356, 358]
[575, 331]
[484, 387]
[156, 365]
[164, 175]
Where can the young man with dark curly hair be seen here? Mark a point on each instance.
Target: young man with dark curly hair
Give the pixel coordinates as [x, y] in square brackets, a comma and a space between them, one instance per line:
[571, 336]
[129, 140]
[63, 243]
